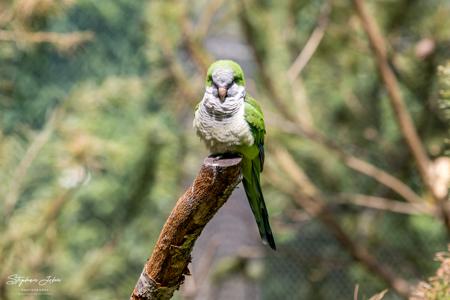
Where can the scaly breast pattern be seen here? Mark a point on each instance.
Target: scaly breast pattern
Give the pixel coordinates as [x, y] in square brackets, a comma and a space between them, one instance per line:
[222, 129]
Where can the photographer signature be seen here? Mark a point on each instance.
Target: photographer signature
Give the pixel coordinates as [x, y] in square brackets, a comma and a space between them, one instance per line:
[16, 279]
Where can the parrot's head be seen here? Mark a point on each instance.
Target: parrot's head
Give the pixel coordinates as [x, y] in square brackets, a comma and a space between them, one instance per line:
[225, 78]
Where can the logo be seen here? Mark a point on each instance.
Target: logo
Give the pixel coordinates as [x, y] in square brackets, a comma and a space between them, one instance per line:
[33, 285]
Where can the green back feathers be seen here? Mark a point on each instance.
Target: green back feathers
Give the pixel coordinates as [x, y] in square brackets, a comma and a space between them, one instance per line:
[226, 64]
[255, 119]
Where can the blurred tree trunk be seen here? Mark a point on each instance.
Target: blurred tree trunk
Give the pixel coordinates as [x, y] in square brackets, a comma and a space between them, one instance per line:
[223, 254]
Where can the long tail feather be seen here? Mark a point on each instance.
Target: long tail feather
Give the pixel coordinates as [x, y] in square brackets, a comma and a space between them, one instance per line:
[256, 199]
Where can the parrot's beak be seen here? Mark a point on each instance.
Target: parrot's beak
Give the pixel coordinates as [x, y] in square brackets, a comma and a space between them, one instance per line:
[222, 93]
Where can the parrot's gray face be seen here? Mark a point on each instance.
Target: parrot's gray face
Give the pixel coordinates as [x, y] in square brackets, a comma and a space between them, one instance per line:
[223, 86]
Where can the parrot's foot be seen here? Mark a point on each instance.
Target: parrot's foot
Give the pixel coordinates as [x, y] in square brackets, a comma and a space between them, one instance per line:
[219, 156]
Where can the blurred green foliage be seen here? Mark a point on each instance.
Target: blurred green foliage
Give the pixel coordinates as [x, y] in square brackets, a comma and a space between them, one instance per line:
[96, 141]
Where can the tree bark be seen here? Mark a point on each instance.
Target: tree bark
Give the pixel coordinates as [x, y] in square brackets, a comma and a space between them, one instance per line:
[229, 244]
[164, 271]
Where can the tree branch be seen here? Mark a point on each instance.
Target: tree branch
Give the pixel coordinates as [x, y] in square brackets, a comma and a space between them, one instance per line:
[351, 161]
[193, 45]
[308, 196]
[19, 175]
[391, 205]
[402, 115]
[311, 45]
[63, 41]
[164, 271]
[206, 18]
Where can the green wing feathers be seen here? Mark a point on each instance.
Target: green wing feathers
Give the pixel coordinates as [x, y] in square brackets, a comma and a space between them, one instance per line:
[252, 167]
[255, 118]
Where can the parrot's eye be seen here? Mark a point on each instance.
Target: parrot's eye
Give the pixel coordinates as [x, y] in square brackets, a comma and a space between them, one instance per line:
[238, 79]
[210, 80]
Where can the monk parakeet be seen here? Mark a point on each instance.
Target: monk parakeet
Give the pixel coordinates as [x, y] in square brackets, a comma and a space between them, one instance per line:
[230, 121]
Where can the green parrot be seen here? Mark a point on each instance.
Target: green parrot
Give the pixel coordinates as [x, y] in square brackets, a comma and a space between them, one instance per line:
[230, 121]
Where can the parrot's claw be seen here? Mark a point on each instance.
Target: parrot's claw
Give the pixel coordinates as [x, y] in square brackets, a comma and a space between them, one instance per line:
[219, 156]
[215, 156]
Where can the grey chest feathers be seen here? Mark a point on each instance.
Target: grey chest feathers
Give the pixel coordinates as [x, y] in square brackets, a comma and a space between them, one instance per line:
[222, 125]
